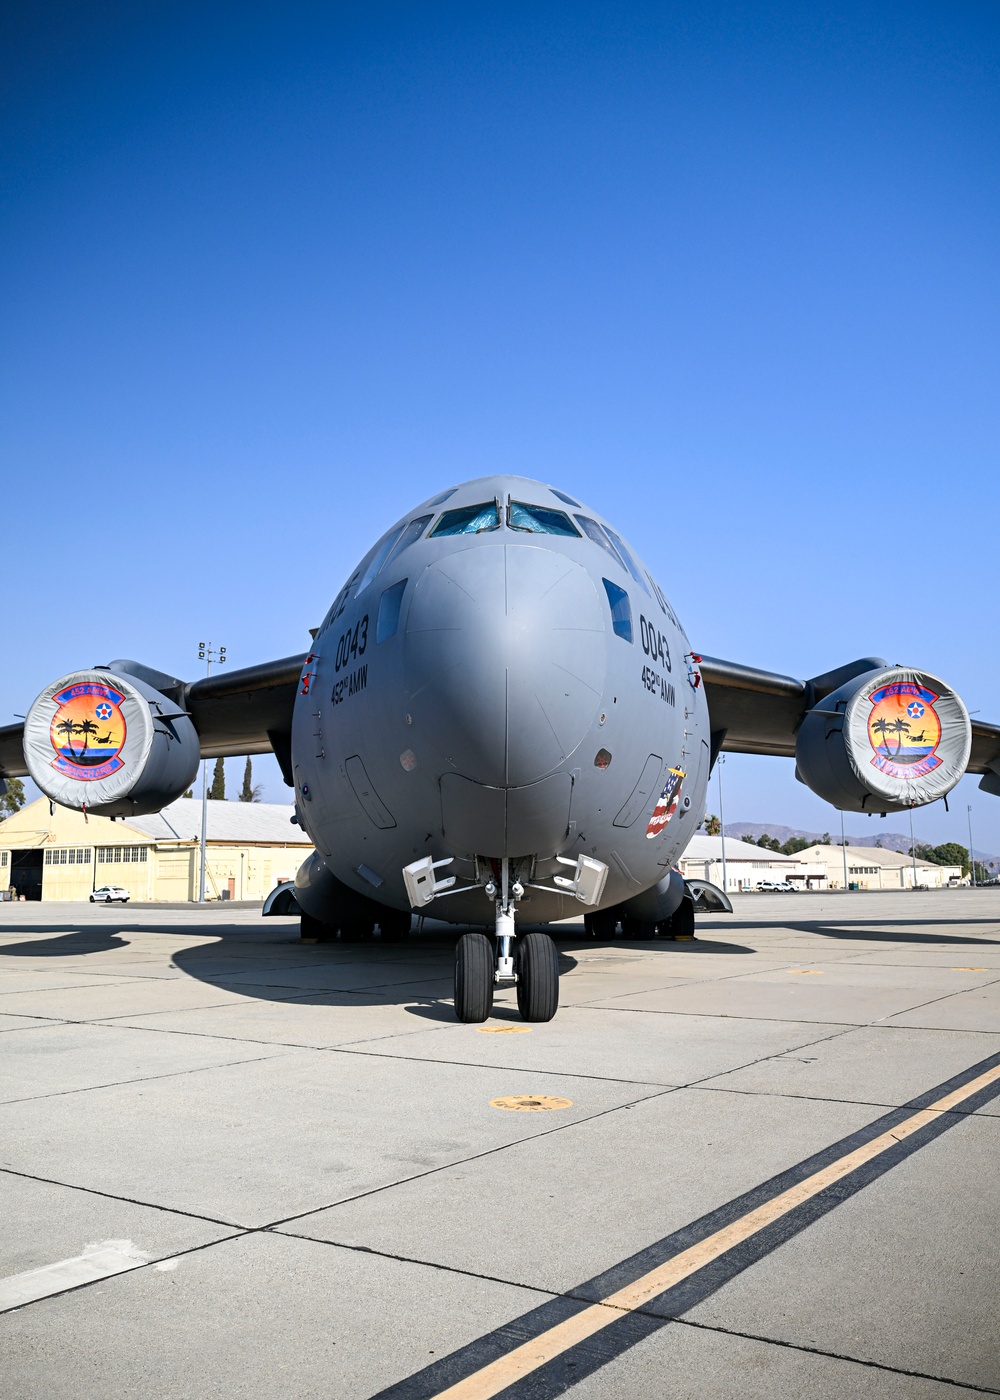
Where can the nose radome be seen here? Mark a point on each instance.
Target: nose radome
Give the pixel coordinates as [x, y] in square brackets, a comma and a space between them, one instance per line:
[505, 660]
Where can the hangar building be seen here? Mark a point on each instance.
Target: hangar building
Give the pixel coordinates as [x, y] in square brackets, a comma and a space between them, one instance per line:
[60, 855]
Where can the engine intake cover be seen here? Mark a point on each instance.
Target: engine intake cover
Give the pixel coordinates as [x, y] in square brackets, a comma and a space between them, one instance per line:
[109, 742]
[885, 742]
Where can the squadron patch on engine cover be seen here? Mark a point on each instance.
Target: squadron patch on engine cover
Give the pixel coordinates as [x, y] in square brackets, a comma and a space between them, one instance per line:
[88, 731]
[904, 730]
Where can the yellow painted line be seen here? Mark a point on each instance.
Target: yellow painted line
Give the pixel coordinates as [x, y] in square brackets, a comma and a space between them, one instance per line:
[503, 1030]
[530, 1103]
[806, 971]
[970, 969]
[528, 1357]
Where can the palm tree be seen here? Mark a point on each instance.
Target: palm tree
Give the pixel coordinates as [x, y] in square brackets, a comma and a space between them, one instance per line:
[900, 727]
[881, 726]
[86, 727]
[69, 728]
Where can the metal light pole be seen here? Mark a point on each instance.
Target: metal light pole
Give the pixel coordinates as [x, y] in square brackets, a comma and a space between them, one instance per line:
[206, 653]
[843, 847]
[972, 853]
[722, 825]
[913, 849]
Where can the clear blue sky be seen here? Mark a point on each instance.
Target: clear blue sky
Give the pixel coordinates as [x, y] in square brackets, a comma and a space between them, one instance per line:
[269, 274]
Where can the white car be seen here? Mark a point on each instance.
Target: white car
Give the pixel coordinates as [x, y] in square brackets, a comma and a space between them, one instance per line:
[107, 894]
[775, 887]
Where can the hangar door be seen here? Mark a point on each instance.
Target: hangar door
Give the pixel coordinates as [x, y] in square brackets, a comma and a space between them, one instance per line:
[26, 873]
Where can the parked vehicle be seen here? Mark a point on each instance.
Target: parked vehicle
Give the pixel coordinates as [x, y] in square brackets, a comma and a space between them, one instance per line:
[107, 894]
[775, 887]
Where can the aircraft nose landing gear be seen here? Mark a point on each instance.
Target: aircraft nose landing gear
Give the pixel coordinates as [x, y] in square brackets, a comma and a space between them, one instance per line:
[530, 961]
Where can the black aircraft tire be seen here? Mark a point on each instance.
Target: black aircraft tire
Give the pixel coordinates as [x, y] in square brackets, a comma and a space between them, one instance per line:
[313, 931]
[638, 928]
[680, 925]
[603, 924]
[394, 925]
[357, 930]
[537, 964]
[473, 978]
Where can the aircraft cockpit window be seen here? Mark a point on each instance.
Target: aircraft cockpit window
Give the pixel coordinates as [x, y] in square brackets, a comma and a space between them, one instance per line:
[412, 533]
[621, 610]
[444, 496]
[537, 520]
[594, 532]
[338, 605]
[561, 495]
[630, 563]
[388, 611]
[381, 554]
[468, 520]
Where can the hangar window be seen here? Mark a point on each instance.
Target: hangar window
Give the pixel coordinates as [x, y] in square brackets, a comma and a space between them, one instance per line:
[536, 520]
[621, 610]
[468, 520]
[561, 495]
[388, 611]
[412, 532]
[594, 532]
[630, 563]
[444, 496]
[4, 857]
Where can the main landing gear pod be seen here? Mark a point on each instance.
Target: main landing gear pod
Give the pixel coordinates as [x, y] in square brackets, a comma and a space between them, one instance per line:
[885, 742]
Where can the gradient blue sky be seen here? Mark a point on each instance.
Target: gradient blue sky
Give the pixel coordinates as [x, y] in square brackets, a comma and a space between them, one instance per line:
[729, 272]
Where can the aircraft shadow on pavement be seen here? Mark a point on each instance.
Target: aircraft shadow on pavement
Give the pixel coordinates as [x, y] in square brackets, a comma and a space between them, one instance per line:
[876, 930]
[250, 960]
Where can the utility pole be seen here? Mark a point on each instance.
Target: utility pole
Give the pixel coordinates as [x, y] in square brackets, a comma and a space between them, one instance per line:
[722, 825]
[208, 654]
[972, 853]
[913, 849]
[843, 847]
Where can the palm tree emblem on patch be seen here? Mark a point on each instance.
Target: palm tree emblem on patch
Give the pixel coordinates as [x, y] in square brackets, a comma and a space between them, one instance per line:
[88, 731]
[904, 730]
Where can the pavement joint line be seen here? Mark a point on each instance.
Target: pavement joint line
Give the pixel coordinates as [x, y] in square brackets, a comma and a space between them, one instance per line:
[135, 1268]
[126, 1200]
[833, 1355]
[144, 1079]
[678, 1320]
[610, 1313]
[465, 1161]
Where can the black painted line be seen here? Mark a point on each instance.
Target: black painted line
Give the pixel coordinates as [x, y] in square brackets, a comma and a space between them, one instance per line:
[568, 1368]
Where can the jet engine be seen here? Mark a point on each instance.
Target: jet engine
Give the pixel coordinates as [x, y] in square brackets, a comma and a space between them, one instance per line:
[884, 742]
[108, 741]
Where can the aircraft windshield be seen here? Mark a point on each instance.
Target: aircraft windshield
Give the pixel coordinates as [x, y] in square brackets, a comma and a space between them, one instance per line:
[412, 532]
[468, 520]
[536, 520]
[593, 531]
[630, 563]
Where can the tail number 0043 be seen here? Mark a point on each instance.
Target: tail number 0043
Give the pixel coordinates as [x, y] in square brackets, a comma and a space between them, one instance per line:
[352, 644]
[654, 643]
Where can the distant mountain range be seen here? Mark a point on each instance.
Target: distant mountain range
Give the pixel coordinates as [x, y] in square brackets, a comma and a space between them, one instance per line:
[888, 840]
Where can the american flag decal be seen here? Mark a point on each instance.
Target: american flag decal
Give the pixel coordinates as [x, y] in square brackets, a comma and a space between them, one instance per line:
[666, 804]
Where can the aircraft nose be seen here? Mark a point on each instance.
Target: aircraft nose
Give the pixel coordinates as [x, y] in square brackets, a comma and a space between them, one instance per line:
[505, 659]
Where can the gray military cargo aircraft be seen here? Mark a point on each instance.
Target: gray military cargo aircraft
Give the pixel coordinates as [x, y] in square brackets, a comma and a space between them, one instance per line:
[500, 720]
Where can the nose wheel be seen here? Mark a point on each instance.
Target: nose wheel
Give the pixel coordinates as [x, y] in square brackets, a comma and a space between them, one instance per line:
[531, 962]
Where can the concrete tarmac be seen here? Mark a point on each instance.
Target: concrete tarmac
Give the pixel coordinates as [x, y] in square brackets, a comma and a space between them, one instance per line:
[233, 1165]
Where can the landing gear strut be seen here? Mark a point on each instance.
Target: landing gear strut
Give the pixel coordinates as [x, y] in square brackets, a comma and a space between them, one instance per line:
[531, 961]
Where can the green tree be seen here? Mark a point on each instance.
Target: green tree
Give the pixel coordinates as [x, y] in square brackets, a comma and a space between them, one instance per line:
[218, 788]
[251, 791]
[12, 797]
[189, 793]
[794, 844]
[712, 825]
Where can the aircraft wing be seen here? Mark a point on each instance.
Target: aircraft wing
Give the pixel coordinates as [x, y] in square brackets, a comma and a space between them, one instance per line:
[755, 711]
[235, 712]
